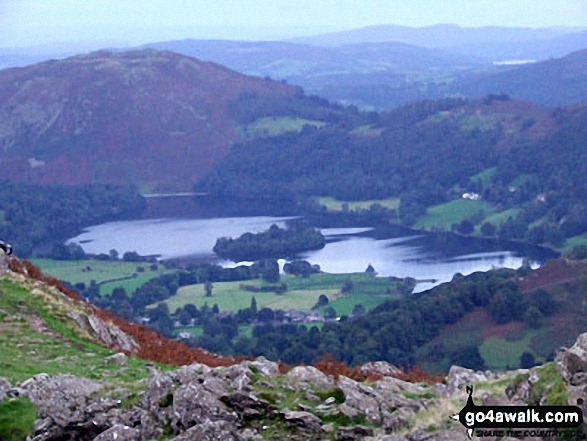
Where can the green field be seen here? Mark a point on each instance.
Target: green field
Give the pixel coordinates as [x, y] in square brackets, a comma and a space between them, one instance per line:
[504, 353]
[344, 305]
[332, 204]
[499, 218]
[575, 241]
[273, 126]
[302, 293]
[445, 215]
[108, 274]
[485, 176]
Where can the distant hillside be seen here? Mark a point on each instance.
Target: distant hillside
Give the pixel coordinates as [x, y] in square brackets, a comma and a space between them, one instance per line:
[381, 75]
[483, 42]
[158, 120]
[526, 161]
[554, 82]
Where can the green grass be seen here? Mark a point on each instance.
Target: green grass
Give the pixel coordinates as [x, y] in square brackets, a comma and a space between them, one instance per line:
[575, 241]
[302, 293]
[106, 273]
[273, 126]
[332, 204]
[520, 180]
[499, 218]
[62, 349]
[485, 176]
[445, 215]
[344, 305]
[38, 336]
[17, 419]
[500, 353]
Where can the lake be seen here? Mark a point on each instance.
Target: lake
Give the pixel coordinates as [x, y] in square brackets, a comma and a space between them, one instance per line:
[422, 256]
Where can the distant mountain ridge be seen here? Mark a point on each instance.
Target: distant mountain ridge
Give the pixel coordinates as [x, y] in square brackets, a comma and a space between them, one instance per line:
[472, 40]
[158, 120]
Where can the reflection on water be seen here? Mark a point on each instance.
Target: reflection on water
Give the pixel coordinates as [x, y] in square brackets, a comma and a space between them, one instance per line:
[169, 238]
[406, 257]
[423, 257]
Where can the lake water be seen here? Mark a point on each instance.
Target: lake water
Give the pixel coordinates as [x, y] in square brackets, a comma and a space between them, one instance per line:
[421, 256]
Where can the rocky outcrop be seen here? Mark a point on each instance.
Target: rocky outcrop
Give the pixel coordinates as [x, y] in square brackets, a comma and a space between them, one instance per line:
[253, 401]
[107, 333]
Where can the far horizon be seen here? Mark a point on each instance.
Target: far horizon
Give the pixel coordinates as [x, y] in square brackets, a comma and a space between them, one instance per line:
[88, 46]
[110, 23]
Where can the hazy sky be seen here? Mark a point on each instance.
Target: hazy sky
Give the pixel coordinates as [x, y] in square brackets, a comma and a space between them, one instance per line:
[40, 22]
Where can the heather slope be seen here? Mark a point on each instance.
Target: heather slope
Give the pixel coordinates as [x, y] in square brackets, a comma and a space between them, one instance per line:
[155, 119]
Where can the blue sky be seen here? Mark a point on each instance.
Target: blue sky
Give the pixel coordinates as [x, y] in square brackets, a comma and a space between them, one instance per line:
[46, 22]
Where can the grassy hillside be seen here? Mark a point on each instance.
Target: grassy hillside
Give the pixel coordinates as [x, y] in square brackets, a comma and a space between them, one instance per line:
[107, 274]
[443, 216]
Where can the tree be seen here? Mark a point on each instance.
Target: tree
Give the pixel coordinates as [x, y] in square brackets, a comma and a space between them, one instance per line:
[488, 229]
[191, 309]
[466, 227]
[347, 286]
[113, 254]
[322, 301]
[358, 310]
[469, 358]
[185, 318]
[544, 301]
[253, 307]
[533, 317]
[330, 313]
[208, 288]
[506, 306]
[527, 360]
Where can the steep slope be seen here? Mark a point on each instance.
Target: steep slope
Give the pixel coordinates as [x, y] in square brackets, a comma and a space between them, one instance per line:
[155, 119]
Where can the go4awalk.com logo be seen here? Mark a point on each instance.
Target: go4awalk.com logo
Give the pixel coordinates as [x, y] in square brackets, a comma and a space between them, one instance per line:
[517, 421]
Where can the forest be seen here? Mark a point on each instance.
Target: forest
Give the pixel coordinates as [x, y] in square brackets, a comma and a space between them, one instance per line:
[34, 216]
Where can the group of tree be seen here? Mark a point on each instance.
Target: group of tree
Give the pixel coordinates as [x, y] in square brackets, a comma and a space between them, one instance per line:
[274, 243]
[36, 216]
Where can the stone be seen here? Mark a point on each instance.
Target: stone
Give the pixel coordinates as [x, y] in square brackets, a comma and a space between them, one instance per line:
[108, 333]
[119, 359]
[360, 400]
[239, 376]
[352, 433]
[304, 421]
[266, 367]
[309, 375]
[5, 386]
[194, 404]
[377, 368]
[63, 398]
[119, 432]
[192, 372]
[211, 431]
[459, 378]
[246, 405]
